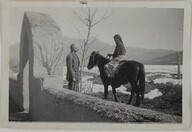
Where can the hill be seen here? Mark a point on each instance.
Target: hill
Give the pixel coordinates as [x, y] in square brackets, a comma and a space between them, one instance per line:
[170, 59]
[145, 56]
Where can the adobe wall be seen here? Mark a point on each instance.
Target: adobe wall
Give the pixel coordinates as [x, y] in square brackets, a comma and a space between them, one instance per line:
[15, 94]
[41, 43]
[54, 103]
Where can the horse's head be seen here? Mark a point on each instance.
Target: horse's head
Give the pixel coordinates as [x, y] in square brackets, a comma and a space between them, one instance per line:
[92, 60]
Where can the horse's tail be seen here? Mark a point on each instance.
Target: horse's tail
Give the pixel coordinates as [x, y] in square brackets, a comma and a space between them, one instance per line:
[142, 80]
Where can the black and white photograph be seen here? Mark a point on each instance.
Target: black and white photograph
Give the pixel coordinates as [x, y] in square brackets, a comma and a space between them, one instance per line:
[97, 63]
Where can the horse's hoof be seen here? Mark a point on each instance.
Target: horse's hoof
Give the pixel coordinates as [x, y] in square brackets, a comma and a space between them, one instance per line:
[116, 101]
[104, 97]
[129, 103]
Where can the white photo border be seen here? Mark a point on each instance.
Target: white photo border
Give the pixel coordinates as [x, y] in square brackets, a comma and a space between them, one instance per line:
[186, 115]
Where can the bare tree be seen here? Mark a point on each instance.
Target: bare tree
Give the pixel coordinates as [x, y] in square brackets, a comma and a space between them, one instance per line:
[50, 55]
[89, 17]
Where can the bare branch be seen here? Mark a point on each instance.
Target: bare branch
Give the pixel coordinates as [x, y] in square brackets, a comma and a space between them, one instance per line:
[81, 45]
[80, 53]
[88, 34]
[53, 51]
[45, 64]
[81, 19]
[91, 43]
[93, 15]
[79, 32]
[84, 12]
[58, 56]
[47, 58]
[46, 55]
[40, 50]
[38, 58]
[103, 48]
[90, 20]
[87, 57]
[104, 17]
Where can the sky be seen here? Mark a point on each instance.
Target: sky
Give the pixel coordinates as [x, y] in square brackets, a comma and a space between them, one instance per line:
[150, 28]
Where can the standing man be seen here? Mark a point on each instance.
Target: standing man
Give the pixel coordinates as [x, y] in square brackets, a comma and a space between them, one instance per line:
[73, 63]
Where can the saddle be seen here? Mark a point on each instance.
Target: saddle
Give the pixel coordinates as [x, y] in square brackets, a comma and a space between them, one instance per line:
[112, 68]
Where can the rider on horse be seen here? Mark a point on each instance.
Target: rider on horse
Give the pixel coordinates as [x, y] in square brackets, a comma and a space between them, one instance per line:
[117, 56]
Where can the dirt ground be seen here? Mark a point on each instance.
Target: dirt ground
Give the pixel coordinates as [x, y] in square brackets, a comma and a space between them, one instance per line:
[170, 102]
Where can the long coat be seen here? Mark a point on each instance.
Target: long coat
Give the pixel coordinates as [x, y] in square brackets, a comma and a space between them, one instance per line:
[72, 61]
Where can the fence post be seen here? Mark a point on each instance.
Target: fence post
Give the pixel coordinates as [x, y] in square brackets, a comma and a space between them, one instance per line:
[178, 63]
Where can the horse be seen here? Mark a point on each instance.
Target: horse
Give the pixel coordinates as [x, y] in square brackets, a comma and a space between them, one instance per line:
[129, 71]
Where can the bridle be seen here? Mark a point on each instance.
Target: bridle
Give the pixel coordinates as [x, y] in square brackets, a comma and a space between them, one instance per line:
[93, 59]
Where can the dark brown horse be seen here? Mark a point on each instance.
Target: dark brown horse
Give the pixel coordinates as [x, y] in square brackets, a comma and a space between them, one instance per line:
[129, 71]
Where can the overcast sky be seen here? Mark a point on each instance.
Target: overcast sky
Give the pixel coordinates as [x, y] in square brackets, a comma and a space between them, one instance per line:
[139, 27]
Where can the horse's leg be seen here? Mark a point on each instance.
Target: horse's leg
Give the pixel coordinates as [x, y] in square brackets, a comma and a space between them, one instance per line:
[105, 91]
[137, 103]
[114, 93]
[132, 93]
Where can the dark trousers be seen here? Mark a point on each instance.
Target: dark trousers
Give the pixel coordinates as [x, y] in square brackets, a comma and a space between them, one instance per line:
[72, 85]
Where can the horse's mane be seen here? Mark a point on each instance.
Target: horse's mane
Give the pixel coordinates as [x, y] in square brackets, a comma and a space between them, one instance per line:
[101, 56]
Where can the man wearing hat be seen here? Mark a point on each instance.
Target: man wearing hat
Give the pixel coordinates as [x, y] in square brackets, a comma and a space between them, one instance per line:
[73, 63]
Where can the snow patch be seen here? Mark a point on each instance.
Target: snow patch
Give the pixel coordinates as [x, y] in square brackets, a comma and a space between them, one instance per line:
[87, 87]
[162, 68]
[93, 70]
[153, 94]
[123, 90]
[162, 74]
[85, 78]
[165, 80]
[98, 88]
[64, 72]
[147, 80]
[13, 75]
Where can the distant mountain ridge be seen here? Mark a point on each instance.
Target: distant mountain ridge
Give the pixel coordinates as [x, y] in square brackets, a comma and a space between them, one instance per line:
[170, 59]
[145, 56]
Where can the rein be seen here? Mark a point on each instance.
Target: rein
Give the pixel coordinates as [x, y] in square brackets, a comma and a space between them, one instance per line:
[97, 59]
